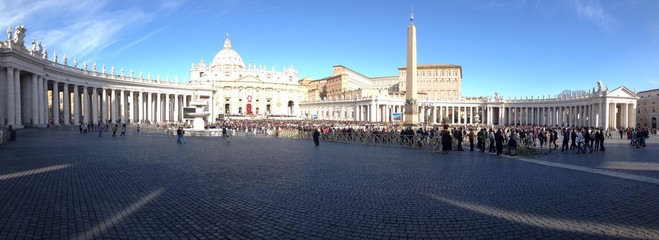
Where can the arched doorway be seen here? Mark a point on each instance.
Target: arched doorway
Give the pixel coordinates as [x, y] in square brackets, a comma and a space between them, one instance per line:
[290, 107]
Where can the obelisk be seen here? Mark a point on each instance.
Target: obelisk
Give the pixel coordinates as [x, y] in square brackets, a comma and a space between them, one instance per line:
[411, 107]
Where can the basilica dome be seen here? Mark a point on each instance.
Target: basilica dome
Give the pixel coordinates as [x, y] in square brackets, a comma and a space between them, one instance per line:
[227, 58]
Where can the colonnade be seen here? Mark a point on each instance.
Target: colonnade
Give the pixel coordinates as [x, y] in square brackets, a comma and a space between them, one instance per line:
[596, 112]
[32, 99]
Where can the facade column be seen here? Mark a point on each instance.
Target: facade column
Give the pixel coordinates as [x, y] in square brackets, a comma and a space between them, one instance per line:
[122, 106]
[625, 115]
[130, 108]
[176, 108]
[158, 108]
[56, 103]
[18, 120]
[35, 101]
[104, 105]
[66, 106]
[43, 102]
[95, 106]
[167, 109]
[148, 109]
[76, 106]
[11, 106]
[86, 104]
[113, 106]
[140, 107]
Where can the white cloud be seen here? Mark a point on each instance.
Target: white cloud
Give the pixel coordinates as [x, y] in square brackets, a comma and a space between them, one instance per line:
[78, 28]
[593, 11]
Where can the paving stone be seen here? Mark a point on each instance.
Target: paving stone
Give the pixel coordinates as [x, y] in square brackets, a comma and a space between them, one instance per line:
[59, 184]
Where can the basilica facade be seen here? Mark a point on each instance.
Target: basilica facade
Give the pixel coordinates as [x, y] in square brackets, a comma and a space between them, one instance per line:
[247, 91]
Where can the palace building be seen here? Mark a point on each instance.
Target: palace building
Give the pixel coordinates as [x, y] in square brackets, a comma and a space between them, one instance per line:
[648, 109]
[36, 90]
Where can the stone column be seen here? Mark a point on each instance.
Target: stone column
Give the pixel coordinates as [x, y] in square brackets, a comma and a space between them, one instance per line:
[35, 100]
[176, 108]
[167, 109]
[76, 105]
[94, 106]
[130, 107]
[122, 106]
[43, 100]
[84, 99]
[140, 107]
[56, 103]
[158, 108]
[11, 100]
[149, 108]
[66, 100]
[104, 105]
[17, 98]
[113, 106]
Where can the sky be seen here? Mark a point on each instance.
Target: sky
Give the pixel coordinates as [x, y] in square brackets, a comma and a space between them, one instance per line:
[518, 48]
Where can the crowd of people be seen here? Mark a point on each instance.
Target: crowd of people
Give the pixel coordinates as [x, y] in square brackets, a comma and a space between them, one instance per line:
[478, 137]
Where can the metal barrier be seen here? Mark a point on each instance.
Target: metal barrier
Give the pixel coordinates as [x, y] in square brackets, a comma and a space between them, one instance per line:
[367, 138]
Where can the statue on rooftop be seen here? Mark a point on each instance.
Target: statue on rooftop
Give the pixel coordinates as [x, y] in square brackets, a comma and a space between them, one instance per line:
[45, 54]
[94, 67]
[54, 57]
[34, 45]
[9, 31]
[19, 35]
[75, 62]
[599, 85]
[103, 68]
[66, 61]
[40, 47]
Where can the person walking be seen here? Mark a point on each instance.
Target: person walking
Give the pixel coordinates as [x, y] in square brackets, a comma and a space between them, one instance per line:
[498, 138]
[316, 137]
[580, 139]
[123, 130]
[179, 133]
[471, 140]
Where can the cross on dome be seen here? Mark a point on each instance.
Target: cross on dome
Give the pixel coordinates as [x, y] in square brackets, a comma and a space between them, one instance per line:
[227, 42]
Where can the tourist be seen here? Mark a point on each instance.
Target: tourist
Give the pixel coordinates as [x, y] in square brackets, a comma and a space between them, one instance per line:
[579, 139]
[179, 134]
[458, 136]
[482, 137]
[316, 137]
[114, 130]
[123, 130]
[446, 140]
[498, 138]
[566, 140]
[471, 139]
[512, 145]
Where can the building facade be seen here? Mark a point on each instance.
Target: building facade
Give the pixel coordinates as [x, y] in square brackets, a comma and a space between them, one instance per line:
[247, 91]
[647, 110]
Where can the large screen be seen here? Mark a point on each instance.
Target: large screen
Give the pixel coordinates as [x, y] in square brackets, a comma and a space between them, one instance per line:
[187, 111]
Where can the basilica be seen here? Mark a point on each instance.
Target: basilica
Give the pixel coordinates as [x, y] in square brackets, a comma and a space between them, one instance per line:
[38, 90]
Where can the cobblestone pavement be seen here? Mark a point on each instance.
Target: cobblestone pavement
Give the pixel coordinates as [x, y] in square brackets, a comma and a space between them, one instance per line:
[58, 184]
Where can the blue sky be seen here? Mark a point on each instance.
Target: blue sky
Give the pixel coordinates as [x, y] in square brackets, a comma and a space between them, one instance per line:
[514, 47]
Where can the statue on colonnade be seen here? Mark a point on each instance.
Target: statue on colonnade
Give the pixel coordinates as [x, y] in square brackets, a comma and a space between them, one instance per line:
[103, 68]
[34, 45]
[75, 62]
[45, 54]
[54, 56]
[112, 70]
[40, 48]
[9, 31]
[19, 35]
[94, 67]
[66, 60]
